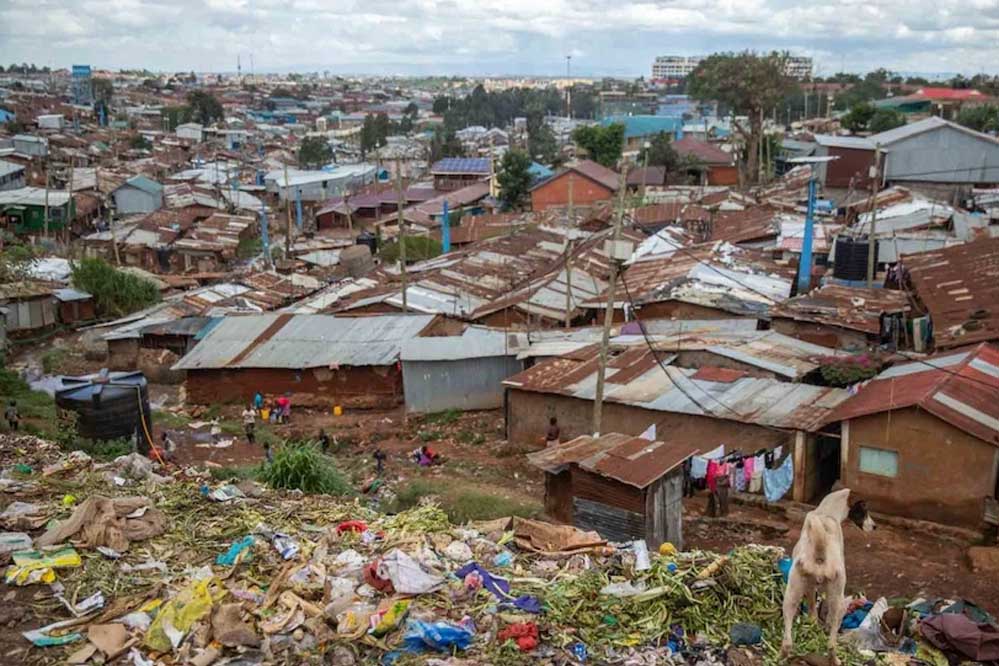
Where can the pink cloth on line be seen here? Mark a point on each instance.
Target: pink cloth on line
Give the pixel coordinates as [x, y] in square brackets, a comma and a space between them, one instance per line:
[747, 469]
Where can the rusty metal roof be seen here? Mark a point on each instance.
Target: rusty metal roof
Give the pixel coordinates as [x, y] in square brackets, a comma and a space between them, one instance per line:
[631, 460]
[634, 378]
[959, 388]
[959, 286]
[854, 308]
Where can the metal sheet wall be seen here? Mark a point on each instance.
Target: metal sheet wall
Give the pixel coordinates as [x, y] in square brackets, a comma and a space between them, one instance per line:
[474, 383]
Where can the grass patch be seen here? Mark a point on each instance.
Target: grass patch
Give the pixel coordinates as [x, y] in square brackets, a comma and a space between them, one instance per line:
[170, 419]
[301, 466]
[469, 437]
[461, 503]
[446, 417]
[100, 450]
[37, 409]
[430, 435]
[52, 360]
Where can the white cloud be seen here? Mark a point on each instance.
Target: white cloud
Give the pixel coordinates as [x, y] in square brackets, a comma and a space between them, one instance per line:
[504, 36]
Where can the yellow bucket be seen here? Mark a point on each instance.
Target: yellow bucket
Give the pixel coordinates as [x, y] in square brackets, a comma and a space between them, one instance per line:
[265, 414]
[337, 410]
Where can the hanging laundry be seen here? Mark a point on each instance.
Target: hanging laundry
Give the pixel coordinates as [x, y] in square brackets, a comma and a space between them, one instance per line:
[776, 482]
[748, 465]
[712, 475]
[699, 464]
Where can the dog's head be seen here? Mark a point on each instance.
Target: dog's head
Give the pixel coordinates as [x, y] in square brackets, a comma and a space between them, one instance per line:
[861, 517]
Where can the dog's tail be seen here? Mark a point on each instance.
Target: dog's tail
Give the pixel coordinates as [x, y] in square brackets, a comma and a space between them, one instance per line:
[818, 539]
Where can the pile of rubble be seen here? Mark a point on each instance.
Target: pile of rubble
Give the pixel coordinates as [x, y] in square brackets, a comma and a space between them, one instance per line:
[125, 562]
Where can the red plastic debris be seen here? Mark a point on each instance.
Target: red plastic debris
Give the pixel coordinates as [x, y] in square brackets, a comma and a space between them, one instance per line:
[524, 634]
[372, 578]
[352, 526]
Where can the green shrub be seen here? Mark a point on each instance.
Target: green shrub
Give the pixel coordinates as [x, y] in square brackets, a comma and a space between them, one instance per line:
[469, 437]
[116, 293]
[844, 371]
[240, 473]
[52, 360]
[301, 466]
[429, 435]
[443, 418]
[461, 503]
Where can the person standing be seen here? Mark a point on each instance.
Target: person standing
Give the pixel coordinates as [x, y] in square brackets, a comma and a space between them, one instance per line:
[258, 401]
[324, 440]
[13, 418]
[553, 433]
[250, 424]
[284, 408]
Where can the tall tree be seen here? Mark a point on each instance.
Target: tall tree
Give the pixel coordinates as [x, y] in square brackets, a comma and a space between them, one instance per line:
[541, 143]
[886, 119]
[514, 179]
[314, 152]
[859, 117]
[202, 107]
[603, 143]
[748, 84]
[983, 118]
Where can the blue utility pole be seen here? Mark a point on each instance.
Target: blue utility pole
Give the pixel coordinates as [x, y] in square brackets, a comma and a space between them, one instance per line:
[265, 240]
[445, 230]
[298, 208]
[805, 265]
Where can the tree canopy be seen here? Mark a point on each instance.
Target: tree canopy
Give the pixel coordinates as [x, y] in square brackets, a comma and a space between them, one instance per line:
[314, 152]
[374, 132]
[514, 179]
[748, 84]
[980, 118]
[603, 143]
[116, 293]
[203, 107]
[886, 119]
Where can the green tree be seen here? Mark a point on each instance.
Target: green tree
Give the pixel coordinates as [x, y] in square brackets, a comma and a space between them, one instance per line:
[886, 119]
[139, 142]
[859, 117]
[116, 293]
[314, 152]
[748, 84]
[514, 179]
[175, 115]
[15, 263]
[103, 90]
[203, 107]
[603, 143]
[983, 118]
[444, 143]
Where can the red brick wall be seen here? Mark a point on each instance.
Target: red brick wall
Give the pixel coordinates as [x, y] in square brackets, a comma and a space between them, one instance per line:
[723, 175]
[347, 386]
[556, 192]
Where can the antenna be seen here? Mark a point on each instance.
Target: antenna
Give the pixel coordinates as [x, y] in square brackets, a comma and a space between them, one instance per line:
[568, 85]
[239, 69]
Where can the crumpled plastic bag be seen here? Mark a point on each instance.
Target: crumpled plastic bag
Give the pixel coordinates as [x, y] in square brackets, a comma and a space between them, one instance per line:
[385, 620]
[23, 516]
[138, 467]
[32, 566]
[439, 636]
[406, 574]
[178, 615]
[108, 522]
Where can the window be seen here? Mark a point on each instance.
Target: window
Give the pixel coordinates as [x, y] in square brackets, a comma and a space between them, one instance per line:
[878, 461]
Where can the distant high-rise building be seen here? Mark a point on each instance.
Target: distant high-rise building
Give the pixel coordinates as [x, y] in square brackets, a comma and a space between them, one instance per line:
[83, 89]
[674, 67]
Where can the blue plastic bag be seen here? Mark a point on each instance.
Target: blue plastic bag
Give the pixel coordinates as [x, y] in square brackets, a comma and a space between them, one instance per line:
[784, 566]
[439, 636]
[235, 552]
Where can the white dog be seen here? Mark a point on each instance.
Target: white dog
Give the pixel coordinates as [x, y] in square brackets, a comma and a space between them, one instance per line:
[819, 563]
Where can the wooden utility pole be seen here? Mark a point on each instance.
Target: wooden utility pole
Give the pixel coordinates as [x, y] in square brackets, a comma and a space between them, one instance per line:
[598, 401]
[570, 225]
[287, 213]
[871, 241]
[350, 218]
[71, 211]
[402, 234]
[47, 183]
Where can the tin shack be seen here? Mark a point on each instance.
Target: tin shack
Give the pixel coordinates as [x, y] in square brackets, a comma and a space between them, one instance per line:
[624, 487]
[320, 360]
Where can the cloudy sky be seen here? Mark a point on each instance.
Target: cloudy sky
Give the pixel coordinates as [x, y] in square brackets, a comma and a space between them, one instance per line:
[613, 37]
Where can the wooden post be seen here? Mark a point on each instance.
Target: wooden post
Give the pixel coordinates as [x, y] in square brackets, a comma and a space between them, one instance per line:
[402, 234]
[287, 214]
[598, 402]
[871, 242]
[46, 221]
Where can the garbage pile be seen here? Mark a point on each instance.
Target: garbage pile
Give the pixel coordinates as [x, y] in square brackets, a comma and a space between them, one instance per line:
[126, 563]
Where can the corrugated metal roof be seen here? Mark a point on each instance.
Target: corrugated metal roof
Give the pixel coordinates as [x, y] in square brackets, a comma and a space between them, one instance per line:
[854, 308]
[852, 142]
[766, 402]
[461, 165]
[474, 342]
[960, 389]
[631, 460]
[959, 286]
[303, 341]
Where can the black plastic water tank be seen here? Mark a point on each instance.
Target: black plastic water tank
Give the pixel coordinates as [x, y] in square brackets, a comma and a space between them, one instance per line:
[369, 239]
[851, 258]
[108, 405]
